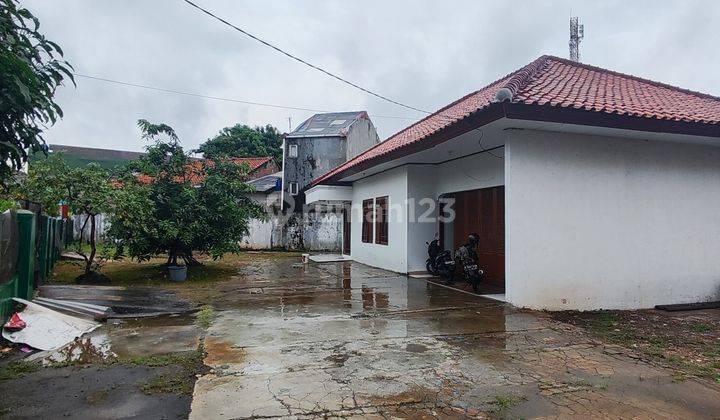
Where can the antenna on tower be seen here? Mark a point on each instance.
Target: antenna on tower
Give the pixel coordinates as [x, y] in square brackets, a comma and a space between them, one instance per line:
[577, 33]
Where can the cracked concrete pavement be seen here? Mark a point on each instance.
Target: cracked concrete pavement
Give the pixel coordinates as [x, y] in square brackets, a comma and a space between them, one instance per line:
[347, 340]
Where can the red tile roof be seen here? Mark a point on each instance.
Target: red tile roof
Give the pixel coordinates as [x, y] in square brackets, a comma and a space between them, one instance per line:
[253, 162]
[195, 172]
[556, 82]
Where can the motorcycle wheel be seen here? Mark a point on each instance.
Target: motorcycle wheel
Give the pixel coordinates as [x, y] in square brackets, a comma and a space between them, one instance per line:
[447, 277]
[430, 268]
[475, 281]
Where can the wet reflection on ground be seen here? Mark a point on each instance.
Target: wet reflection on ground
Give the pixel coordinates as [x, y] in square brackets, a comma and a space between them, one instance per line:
[344, 339]
[132, 338]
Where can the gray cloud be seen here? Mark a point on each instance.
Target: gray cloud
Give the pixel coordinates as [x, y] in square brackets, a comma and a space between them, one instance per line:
[424, 53]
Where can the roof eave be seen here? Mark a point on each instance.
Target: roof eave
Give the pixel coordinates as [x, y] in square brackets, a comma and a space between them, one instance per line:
[532, 112]
[581, 116]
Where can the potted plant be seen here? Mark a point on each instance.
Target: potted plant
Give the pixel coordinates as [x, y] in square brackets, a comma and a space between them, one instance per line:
[178, 273]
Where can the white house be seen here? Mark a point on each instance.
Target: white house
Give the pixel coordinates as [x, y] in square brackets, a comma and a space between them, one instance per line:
[589, 189]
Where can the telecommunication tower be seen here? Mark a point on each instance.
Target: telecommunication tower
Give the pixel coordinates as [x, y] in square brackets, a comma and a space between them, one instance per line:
[577, 33]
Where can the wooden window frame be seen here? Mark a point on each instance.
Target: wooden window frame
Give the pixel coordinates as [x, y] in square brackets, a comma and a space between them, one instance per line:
[368, 207]
[382, 227]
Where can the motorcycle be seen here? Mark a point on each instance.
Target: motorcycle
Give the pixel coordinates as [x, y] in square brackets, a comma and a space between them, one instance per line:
[467, 259]
[473, 275]
[439, 262]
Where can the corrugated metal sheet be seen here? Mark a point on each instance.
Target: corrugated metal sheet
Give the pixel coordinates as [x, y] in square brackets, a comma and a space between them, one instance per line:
[267, 182]
[334, 124]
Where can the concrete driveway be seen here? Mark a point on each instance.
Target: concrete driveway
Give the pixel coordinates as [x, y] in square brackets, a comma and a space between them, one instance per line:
[345, 340]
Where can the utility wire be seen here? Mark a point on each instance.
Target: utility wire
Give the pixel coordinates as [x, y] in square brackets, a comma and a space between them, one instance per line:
[207, 12]
[217, 98]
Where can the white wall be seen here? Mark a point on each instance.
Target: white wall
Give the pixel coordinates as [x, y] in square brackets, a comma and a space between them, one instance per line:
[470, 173]
[393, 256]
[360, 137]
[422, 221]
[597, 222]
[408, 186]
[322, 231]
[263, 234]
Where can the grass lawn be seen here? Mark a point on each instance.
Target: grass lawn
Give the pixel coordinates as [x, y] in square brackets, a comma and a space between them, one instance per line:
[204, 283]
[689, 342]
[126, 272]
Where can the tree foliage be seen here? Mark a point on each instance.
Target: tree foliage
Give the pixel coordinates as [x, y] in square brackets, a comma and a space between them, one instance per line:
[90, 194]
[30, 72]
[46, 183]
[174, 205]
[86, 190]
[243, 141]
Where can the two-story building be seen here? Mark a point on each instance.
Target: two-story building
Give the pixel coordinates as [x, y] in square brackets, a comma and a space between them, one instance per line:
[319, 144]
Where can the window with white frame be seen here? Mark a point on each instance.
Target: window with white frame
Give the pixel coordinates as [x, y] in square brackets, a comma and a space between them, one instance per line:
[293, 188]
[292, 151]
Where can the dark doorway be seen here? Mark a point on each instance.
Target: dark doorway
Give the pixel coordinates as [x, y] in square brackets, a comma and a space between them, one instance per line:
[346, 232]
[483, 212]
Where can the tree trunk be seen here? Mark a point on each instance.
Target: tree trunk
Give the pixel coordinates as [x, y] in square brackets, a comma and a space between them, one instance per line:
[93, 247]
[82, 232]
[190, 261]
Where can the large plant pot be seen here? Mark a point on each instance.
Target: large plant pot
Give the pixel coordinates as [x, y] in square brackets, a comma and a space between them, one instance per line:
[178, 273]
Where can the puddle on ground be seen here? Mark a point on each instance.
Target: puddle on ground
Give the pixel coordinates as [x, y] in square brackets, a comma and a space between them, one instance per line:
[131, 338]
[416, 348]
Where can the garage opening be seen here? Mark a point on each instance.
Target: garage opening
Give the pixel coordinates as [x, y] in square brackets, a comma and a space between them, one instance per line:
[479, 211]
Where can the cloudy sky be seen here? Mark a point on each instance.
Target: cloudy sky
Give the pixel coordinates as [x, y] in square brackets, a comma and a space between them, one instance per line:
[423, 53]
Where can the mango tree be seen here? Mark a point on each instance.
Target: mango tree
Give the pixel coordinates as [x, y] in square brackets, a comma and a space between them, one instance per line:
[170, 203]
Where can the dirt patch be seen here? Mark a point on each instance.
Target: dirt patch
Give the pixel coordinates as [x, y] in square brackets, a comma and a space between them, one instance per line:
[92, 277]
[687, 341]
[220, 352]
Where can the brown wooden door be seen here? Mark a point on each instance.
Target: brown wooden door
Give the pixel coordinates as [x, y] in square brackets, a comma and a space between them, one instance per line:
[483, 212]
[346, 232]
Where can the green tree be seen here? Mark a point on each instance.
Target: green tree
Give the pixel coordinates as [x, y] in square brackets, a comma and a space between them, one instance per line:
[87, 191]
[46, 183]
[243, 141]
[30, 72]
[90, 194]
[170, 204]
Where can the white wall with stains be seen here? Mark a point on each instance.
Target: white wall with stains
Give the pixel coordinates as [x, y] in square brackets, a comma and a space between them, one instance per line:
[599, 222]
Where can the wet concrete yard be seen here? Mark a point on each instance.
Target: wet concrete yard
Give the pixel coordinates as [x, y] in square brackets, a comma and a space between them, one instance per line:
[347, 340]
[282, 339]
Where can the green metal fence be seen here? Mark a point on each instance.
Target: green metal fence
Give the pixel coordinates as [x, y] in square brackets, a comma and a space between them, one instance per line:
[41, 240]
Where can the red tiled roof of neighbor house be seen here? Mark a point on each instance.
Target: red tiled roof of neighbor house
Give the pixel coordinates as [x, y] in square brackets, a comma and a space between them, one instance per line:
[253, 162]
[195, 172]
[551, 84]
